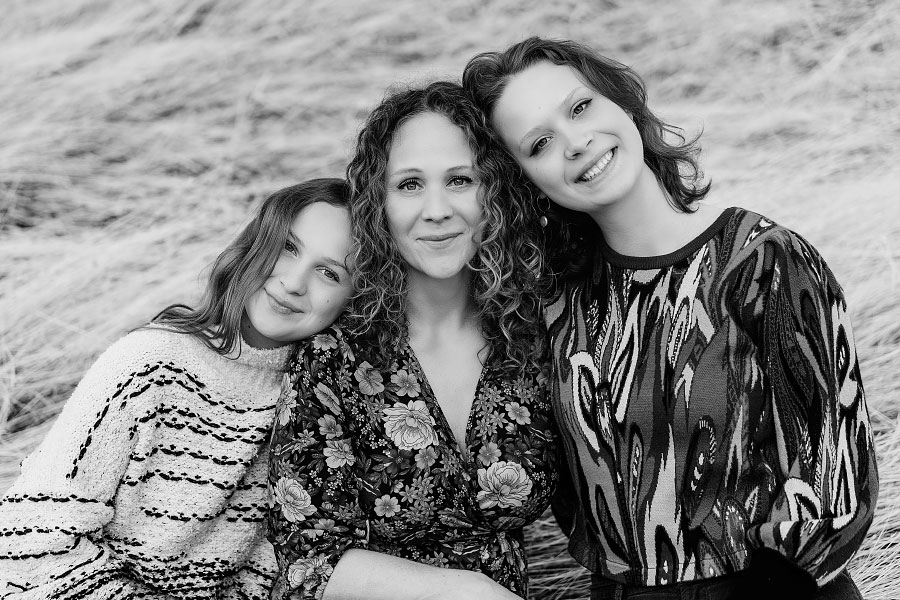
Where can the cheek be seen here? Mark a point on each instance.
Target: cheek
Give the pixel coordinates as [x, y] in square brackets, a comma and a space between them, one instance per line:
[475, 216]
[281, 267]
[540, 176]
[392, 213]
[400, 214]
[329, 303]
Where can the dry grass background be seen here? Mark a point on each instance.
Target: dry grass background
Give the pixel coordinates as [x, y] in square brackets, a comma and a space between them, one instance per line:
[136, 136]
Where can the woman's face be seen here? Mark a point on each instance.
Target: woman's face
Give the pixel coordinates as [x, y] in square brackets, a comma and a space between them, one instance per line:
[310, 283]
[580, 148]
[433, 204]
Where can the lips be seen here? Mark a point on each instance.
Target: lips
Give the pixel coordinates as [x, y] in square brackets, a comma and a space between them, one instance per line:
[439, 241]
[438, 237]
[282, 306]
[597, 167]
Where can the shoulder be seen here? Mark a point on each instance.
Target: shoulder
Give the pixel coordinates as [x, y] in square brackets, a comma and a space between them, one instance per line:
[139, 353]
[777, 256]
[751, 232]
[331, 346]
[146, 346]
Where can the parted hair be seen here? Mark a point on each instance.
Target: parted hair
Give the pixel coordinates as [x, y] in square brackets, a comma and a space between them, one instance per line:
[670, 156]
[508, 260]
[243, 266]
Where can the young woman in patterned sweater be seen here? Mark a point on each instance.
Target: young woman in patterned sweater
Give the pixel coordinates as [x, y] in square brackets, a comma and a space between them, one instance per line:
[151, 483]
[705, 376]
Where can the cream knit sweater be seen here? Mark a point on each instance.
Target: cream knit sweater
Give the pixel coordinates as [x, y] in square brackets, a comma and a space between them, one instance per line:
[151, 483]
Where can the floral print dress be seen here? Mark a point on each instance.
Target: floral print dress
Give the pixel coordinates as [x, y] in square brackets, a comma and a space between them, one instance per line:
[363, 457]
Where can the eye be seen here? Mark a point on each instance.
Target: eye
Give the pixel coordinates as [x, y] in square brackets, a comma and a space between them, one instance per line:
[289, 246]
[459, 180]
[580, 107]
[409, 185]
[330, 274]
[539, 145]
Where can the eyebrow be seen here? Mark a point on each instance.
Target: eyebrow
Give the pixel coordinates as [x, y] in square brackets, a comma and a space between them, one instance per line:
[327, 259]
[535, 130]
[416, 171]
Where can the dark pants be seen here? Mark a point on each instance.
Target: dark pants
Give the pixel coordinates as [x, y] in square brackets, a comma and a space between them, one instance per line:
[715, 588]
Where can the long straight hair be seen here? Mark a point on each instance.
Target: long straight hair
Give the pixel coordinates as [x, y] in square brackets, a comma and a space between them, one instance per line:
[243, 266]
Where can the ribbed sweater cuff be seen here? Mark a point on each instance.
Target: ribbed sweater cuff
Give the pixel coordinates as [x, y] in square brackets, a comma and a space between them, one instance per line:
[771, 575]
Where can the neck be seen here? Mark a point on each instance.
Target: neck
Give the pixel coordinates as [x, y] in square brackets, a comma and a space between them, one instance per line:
[436, 304]
[645, 223]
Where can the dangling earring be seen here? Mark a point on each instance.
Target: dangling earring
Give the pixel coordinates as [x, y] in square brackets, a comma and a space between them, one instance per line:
[542, 220]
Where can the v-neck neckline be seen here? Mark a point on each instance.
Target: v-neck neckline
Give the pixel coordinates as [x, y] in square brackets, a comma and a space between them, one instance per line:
[462, 449]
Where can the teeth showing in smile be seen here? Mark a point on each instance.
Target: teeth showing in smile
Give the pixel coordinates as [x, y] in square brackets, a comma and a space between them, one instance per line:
[597, 168]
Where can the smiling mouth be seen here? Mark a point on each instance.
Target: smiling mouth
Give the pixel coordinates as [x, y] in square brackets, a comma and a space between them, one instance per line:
[598, 167]
[440, 240]
[282, 308]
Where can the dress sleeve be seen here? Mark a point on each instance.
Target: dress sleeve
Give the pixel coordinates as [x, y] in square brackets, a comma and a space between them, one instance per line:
[564, 504]
[822, 461]
[52, 519]
[314, 471]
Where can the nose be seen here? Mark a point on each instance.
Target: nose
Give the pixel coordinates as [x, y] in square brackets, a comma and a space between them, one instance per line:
[437, 206]
[294, 283]
[577, 144]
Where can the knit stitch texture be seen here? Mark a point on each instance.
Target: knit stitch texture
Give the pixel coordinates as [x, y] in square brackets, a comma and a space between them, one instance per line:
[151, 483]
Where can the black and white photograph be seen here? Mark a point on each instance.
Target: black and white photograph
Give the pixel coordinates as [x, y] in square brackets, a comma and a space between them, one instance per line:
[449, 300]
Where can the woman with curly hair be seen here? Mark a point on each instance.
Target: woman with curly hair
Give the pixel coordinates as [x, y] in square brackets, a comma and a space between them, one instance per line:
[705, 379]
[419, 432]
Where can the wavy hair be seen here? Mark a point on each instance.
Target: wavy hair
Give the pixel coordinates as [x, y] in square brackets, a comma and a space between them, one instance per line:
[673, 162]
[243, 266]
[508, 261]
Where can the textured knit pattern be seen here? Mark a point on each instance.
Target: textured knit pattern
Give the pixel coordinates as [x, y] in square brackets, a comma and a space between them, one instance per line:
[710, 403]
[364, 458]
[151, 483]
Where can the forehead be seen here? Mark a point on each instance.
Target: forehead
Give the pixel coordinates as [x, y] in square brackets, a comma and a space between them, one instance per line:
[530, 94]
[428, 139]
[323, 229]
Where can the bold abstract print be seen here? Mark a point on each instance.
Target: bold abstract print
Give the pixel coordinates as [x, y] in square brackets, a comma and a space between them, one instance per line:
[711, 403]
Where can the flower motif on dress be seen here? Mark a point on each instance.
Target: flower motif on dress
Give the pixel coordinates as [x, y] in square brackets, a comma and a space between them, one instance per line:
[338, 453]
[296, 503]
[386, 506]
[406, 383]
[489, 454]
[329, 427]
[503, 484]
[324, 525]
[324, 341]
[426, 457]
[369, 378]
[307, 570]
[518, 413]
[410, 426]
[328, 398]
[284, 408]
[407, 492]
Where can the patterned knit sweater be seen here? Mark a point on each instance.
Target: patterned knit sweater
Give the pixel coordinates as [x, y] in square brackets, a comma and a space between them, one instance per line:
[151, 483]
[713, 414]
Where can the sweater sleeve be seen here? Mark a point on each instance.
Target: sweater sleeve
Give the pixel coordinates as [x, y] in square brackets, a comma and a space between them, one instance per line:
[822, 460]
[52, 518]
[314, 475]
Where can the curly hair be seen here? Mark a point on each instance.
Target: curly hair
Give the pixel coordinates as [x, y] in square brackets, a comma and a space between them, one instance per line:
[508, 261]
[243, 266]
[674, 163]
